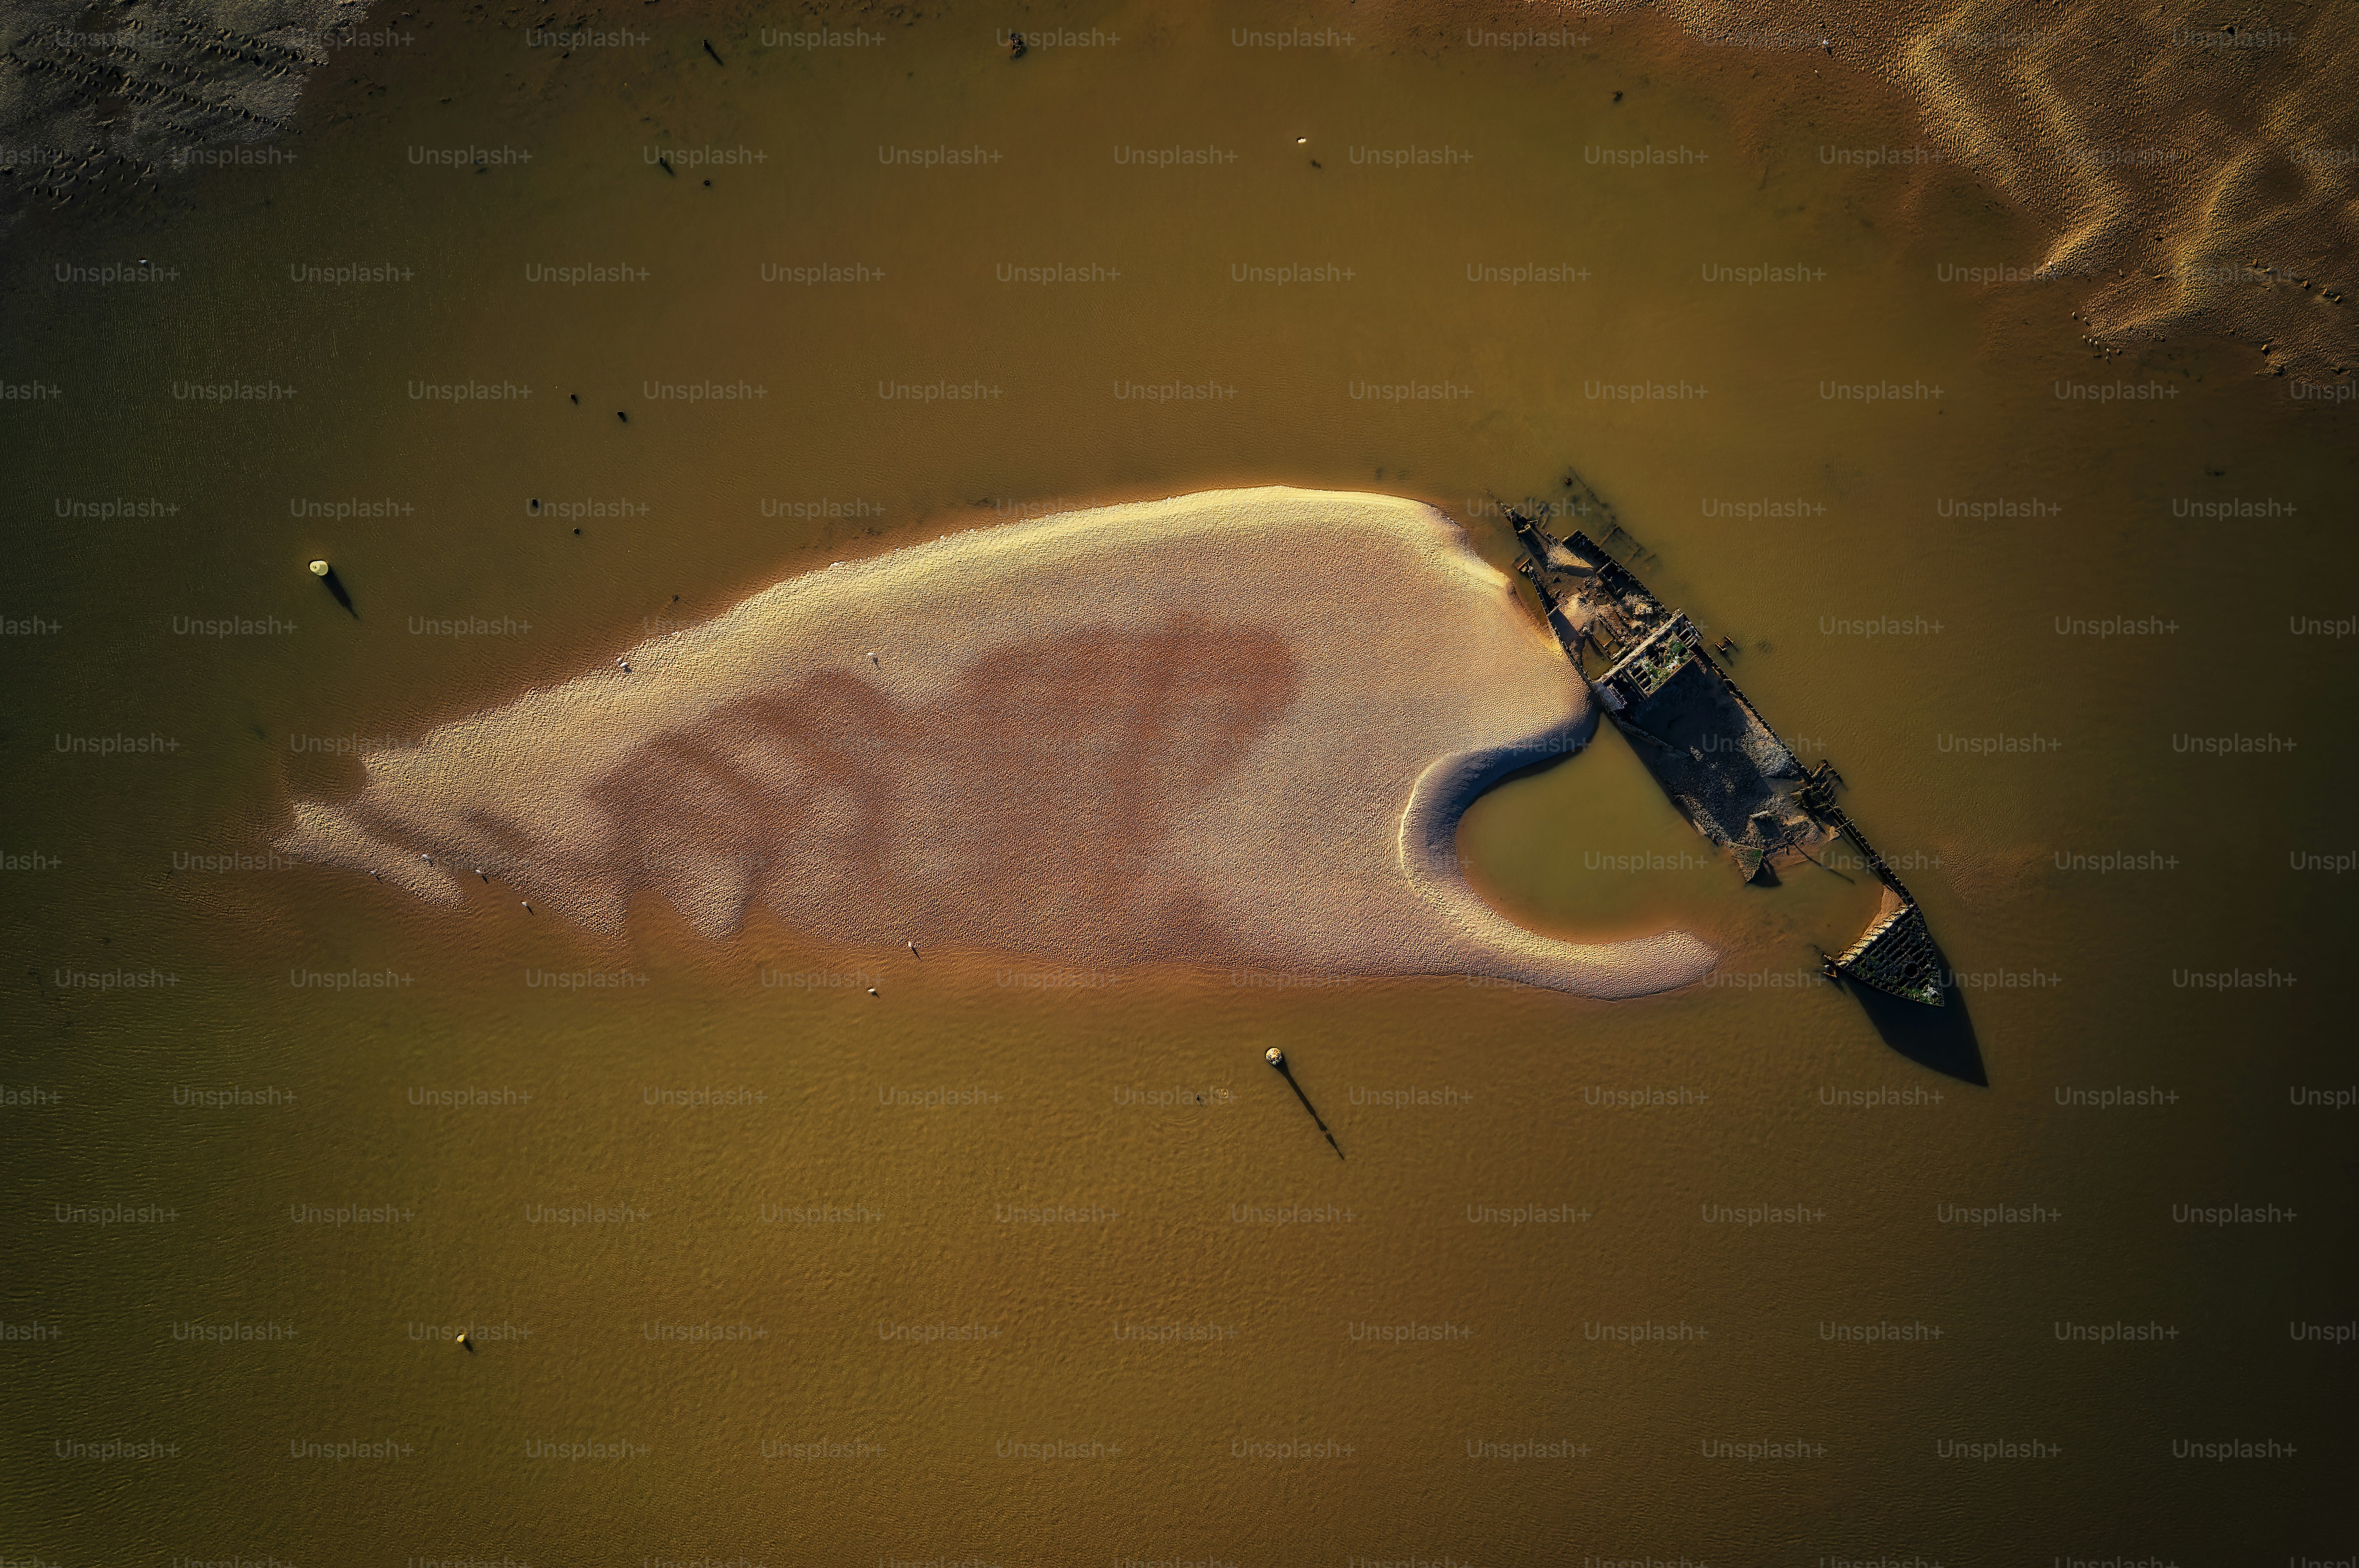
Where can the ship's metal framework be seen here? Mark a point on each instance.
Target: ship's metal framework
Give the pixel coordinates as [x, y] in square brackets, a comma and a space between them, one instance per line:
[1722, 765]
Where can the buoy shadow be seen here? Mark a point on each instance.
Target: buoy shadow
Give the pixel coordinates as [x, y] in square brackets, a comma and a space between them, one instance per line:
[336, 586]
[1286, 1070]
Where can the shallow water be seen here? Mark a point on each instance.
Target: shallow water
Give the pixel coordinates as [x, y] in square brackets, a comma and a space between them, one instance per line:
[154, 967]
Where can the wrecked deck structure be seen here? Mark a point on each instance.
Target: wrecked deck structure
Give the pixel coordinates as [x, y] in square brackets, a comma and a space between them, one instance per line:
[1715, 756]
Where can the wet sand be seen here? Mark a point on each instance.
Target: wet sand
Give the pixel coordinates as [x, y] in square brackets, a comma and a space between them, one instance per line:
[2190, 171]
[1238, 727]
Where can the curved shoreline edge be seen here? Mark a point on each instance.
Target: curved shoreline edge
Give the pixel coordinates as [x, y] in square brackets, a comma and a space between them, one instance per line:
[1164, 731]
[1610, 971]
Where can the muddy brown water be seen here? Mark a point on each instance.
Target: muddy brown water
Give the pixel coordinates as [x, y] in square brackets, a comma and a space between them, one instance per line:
[1039, 1263]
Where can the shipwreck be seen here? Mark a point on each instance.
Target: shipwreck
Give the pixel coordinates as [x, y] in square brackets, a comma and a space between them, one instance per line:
[1721, 764]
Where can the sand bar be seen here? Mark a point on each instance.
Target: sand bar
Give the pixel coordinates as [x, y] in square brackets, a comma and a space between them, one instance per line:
[1236, 728]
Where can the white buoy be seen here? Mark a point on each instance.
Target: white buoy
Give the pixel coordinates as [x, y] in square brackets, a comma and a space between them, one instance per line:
[872, 990]
[913, 948]
[319, 568]
[872, 659]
